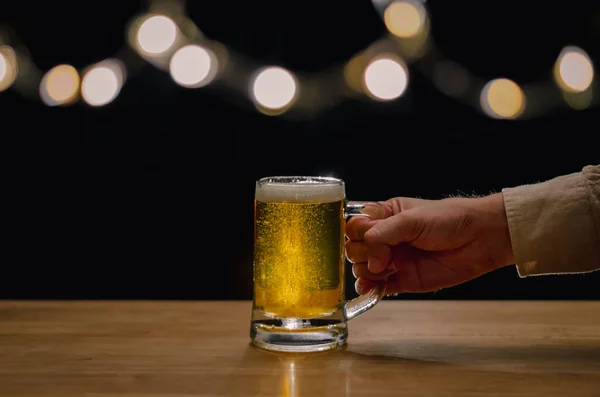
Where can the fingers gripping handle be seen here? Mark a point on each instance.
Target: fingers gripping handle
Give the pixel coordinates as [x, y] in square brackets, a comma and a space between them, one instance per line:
[363, 303]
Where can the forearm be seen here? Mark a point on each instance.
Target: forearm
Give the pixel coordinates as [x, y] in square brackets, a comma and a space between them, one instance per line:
[555, 225]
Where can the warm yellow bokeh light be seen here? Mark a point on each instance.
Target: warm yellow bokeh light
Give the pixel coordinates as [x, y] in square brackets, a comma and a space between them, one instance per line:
[575, 71]
[193, 66]
[60, 85]
[156, 34]
[3, 67]
[385, 79]
[8, 67]
[102, 83]
[354, 70]
[274, 88]
[502, 99]
[404, 18]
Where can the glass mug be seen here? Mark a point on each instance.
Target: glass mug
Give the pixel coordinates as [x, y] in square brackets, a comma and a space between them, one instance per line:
[299, 300]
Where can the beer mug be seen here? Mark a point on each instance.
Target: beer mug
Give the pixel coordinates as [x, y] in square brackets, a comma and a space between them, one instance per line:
[299, 300]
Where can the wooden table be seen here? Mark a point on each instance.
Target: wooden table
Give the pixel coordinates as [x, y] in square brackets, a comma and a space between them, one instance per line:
[400, 348]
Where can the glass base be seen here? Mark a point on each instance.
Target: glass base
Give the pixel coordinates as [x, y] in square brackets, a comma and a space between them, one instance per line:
[296, 335]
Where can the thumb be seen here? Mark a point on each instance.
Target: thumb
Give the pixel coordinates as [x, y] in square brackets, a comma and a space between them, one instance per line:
[387, 233]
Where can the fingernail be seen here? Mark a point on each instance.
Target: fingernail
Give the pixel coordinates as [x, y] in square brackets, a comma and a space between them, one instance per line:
[391, 267]
[373, 263]
[358, 288]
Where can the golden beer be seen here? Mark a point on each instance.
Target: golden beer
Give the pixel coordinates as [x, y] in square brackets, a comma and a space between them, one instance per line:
[299, 250]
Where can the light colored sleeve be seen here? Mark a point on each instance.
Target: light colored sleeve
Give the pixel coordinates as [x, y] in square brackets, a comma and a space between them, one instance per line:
[555, 225]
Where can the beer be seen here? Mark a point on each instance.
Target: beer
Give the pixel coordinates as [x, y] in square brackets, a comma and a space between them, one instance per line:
[299, 249]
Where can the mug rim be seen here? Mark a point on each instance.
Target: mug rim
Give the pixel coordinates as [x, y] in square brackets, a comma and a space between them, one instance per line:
[309, 180]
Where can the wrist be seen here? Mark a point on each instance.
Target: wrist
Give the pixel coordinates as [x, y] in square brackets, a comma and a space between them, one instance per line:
[498, 230]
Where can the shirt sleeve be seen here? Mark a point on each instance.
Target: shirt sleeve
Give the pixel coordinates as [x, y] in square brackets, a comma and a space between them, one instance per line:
[555, 225]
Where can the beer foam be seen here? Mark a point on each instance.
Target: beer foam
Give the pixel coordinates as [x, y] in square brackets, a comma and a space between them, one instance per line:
[300, 191]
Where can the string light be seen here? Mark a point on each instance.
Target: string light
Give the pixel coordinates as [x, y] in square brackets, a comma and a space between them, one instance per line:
[173, 43]
[405, 18]
[3, 67]
[385, 79]
[8, 68]
[157, 34]
[273, 88]
[102, 83]
[574, 71]
[502, 99]
[193, 66]
[60, 86]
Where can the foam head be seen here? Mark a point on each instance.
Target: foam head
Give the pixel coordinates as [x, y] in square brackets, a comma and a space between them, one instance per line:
[301, 189]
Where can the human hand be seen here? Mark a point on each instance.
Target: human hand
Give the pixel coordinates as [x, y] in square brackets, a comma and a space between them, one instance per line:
[416, 245]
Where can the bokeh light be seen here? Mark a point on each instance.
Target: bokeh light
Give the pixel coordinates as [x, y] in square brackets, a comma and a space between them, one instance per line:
[193, 66]
[162, 38]
[405, 18]
[574, 71]
[579, 100]
[102, 83]
[451, 78]
[502, 99]
[3, 67]
[354, 72]
[386, 79]
[8, 67]
[60, 85]
[274, 88]
[157, 34]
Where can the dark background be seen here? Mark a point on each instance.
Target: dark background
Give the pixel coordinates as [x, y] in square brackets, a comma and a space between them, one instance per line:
[151, 196]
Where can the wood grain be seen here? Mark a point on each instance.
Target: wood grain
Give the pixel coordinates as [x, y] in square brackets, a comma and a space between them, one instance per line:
[400, 348]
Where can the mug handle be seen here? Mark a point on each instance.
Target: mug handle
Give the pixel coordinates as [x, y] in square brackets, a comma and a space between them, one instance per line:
[357, 306]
